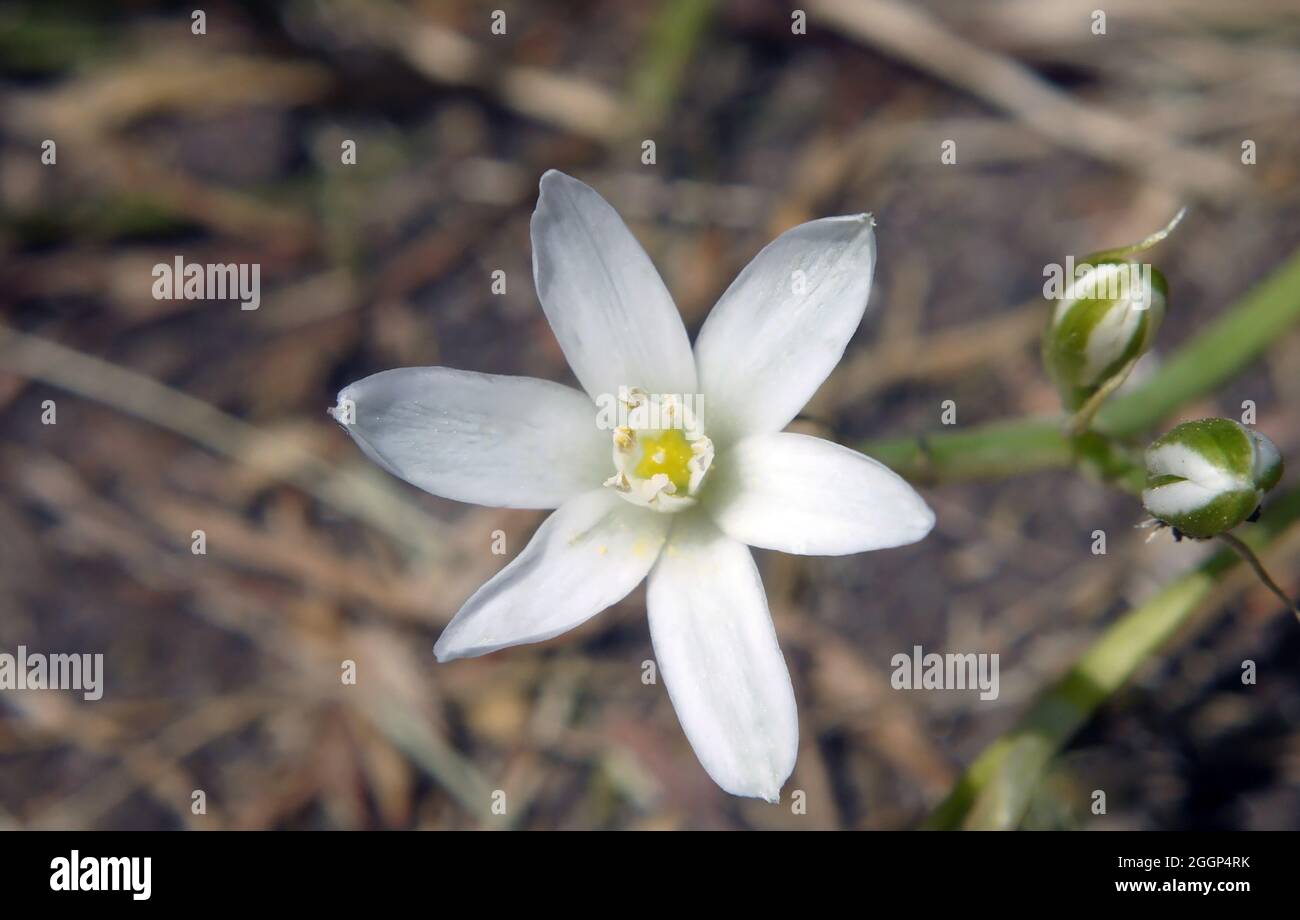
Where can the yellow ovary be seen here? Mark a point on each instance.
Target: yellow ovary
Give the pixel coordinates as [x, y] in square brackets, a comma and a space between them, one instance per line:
[668, 454]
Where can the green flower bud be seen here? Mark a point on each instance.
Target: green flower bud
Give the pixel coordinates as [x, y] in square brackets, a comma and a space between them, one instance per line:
[1108, 310]
[1105, 318]
[1207, 476]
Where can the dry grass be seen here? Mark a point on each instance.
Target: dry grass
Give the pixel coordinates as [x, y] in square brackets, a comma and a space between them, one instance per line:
[223, 670]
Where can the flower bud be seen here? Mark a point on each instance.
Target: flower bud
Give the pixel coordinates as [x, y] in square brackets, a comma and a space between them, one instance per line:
[1207, 476]
[1108, 311]
[1106, 317]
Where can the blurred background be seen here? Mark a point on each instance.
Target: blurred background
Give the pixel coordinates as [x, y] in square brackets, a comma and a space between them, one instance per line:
[222, 670]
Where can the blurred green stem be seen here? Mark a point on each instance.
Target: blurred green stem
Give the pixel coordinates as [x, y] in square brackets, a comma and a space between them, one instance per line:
[674, 36]
[996, 790]
[1018, 446]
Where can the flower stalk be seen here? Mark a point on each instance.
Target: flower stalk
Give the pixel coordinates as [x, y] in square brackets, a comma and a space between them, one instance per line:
[1245, 552]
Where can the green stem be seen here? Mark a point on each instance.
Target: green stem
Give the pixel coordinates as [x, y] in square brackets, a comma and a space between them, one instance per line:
[1017, 446]
[1004, 448]
[997, 789]
[679, 27]
[1081, 419]
[1248, 554]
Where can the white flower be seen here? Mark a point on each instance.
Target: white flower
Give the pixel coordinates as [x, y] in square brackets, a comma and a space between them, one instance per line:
[676, 506]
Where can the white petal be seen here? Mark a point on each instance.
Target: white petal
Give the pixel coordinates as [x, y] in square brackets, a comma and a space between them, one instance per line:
[805, 495]
[1178, 498]
[586, 556]
[510, 442]
[609, 308]
[1112, 333]
[783, 325]
[718, 654]
[1179, 460]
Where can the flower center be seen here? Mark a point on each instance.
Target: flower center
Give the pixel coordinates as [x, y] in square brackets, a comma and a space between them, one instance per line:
[669, 454]
[660, 467]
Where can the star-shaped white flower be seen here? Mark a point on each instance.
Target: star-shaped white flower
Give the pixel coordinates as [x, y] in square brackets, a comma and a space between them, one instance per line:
[679, 504]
